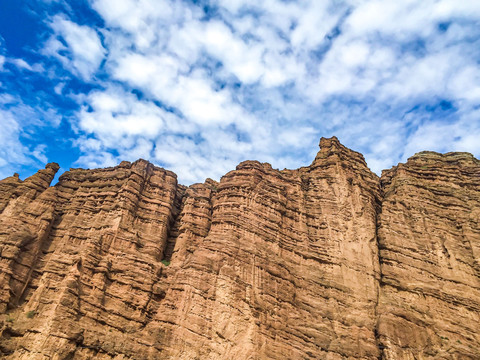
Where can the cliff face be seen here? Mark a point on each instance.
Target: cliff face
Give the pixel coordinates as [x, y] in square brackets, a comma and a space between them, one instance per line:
[324, 262]
[429, 239]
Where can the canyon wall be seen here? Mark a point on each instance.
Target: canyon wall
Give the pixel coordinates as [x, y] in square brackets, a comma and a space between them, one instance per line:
[327, 261]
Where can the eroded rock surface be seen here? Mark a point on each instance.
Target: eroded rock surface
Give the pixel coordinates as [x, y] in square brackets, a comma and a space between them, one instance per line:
[324, 262]
[429, 236]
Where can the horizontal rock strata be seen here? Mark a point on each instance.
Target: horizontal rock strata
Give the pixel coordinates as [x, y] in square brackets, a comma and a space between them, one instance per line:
[323, 262]
[429, 238]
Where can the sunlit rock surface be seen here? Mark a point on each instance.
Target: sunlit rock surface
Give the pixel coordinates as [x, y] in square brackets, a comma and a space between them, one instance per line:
[323, 262]
[429, 240]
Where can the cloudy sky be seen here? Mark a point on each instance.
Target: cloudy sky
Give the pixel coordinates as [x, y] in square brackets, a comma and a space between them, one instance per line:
[198, 86]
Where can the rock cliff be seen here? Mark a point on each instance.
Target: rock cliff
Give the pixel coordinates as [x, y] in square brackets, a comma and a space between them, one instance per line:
[429, 241]
[328, 261]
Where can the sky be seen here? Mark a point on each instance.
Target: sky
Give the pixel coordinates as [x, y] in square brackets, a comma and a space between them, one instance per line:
[198, 86]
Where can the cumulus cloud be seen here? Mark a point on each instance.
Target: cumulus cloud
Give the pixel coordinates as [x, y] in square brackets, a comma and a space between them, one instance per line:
[77, 47]
[19, 64]
[199, 86]
[445, 136]
[18, 123]
[12, 150]
[381, 54]
[116, 119]
[114, 113]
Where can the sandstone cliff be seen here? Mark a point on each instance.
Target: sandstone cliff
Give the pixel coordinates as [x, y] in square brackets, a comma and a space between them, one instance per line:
[324, 262]
[429, 240]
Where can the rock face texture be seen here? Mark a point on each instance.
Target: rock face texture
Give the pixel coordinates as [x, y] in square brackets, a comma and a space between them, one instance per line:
[429, 240]
[323, 262]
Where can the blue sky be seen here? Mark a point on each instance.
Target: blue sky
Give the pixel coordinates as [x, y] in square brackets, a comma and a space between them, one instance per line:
[198, 86]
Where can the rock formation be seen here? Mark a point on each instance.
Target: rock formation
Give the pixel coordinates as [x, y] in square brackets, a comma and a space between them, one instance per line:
[429, 241]
[323, 262]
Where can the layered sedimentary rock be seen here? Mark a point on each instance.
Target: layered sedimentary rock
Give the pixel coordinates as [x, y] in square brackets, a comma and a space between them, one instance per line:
[323, 262]
[277, 264]
[81, 272]
[429, 237]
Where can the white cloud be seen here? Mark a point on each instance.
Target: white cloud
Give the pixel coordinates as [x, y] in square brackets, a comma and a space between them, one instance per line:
[464, 84]
[114, 115]
[313, 24]
[354, 54]
[195, 161]
[18, 122]
[21, 64]
[447, 9]
[81, 43]
[443, 136]
[200, 92]
[386, 54]
[388, 17]
[164, 78]
[39, 153]
[241, 59]
[97, 159]
[156, 73]
[145, 21]
[12, 150]
[58, 89]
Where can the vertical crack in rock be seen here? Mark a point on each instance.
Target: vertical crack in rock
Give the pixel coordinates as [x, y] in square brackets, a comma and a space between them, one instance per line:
[175, 224]
[192, 220]
[378, 259]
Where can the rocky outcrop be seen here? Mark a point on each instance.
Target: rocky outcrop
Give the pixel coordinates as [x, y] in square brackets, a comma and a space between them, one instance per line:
[429, 239]
[276, 264]
[81, 274]
[25, 222]
[323, 262]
